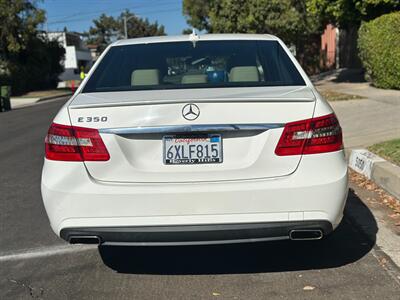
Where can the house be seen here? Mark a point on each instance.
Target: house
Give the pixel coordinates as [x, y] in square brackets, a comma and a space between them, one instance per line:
[329, 47]
[93, 51]
[77, 55]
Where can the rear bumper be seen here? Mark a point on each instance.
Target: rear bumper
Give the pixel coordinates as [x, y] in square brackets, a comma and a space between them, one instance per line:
[317, 191]
[194, 234]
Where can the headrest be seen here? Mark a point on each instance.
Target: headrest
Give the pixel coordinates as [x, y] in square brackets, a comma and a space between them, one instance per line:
[244, 73]
[145, 77]
[197, 78]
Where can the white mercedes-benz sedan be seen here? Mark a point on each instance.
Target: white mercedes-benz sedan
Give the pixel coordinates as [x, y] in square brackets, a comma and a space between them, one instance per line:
[194, 140]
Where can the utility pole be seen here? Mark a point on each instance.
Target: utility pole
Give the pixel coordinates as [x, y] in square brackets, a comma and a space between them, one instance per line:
[125, 31]
[125, 25]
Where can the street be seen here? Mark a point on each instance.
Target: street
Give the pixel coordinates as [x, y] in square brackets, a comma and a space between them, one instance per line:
[34, 263]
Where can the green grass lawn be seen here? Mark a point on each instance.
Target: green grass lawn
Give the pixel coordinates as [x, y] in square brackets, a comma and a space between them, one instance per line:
[389, 150]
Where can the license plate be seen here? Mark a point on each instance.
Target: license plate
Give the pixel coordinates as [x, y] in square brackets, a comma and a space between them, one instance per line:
[186, 150]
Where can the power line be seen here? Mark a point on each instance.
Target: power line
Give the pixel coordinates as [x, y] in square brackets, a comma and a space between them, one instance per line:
[85, 19]
[65, 18]
[128, 3]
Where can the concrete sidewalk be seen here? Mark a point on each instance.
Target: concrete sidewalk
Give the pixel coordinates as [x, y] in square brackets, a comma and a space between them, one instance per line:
[34, 97]
[18, 102]
[365, 121]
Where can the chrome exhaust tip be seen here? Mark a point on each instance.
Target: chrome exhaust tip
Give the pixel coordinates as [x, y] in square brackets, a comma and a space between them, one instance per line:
[306, 234]
[84, 239]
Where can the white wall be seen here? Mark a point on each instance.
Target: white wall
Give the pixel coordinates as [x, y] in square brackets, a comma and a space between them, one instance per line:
[72, 55]
[70, 58]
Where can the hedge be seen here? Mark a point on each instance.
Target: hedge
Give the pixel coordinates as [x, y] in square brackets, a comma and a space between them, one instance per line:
[379, 50]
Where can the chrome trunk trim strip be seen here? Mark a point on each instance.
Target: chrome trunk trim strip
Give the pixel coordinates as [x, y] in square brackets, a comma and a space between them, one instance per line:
[167, 129]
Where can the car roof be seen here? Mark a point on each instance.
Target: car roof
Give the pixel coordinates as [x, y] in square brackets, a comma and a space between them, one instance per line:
[201, 37]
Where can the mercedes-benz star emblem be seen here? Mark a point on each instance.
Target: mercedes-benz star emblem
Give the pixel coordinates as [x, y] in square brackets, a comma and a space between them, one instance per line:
[190, 112]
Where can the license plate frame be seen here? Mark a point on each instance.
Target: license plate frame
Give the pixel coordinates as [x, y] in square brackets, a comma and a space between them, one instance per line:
[191, 139]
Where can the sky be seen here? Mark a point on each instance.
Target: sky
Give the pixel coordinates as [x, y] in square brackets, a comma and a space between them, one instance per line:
[77, 15]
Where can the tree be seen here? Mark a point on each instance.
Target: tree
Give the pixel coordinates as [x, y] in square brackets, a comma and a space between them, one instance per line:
[138, 27]
[28, 60]
[288, 19]
[107, 29]
[187, 31]
[104, 31]
[19, 21]
[347, 13]
[197, 13]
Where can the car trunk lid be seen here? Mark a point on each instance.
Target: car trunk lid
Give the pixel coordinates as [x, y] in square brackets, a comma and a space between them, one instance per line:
[249, 120]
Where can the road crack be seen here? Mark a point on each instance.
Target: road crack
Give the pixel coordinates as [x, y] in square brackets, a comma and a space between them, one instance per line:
[35, 293]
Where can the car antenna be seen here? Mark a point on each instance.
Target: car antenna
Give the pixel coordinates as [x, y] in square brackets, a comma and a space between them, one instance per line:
[194, 37]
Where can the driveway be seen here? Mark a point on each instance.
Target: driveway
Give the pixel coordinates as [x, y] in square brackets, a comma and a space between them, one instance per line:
[374, 119]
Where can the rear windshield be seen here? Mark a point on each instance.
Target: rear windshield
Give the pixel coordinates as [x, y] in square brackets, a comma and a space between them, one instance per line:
[204, 64]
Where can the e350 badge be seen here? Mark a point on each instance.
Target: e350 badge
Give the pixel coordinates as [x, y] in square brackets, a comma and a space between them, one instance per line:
[94, 119]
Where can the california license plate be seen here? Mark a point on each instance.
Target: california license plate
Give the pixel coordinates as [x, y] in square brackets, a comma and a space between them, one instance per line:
[185, 150]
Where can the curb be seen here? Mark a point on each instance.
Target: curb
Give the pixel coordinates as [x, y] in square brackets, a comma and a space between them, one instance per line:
[322, 75]
[19, 102]
[383, 173]
[54, 97]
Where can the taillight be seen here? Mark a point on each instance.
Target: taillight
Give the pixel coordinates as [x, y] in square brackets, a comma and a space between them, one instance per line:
[316, 135]
[70, 143]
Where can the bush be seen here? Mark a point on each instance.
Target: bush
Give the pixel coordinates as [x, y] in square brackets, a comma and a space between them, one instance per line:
[379, 50]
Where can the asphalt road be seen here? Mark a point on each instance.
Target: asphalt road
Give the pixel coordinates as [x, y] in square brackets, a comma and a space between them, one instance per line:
[34, 263]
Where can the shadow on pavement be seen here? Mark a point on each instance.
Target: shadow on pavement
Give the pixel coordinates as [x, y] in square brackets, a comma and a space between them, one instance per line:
[346, 245]
[350, 75]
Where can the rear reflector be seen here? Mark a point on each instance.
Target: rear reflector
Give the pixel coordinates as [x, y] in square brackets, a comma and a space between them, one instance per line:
[70, 143]
[316, 135]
